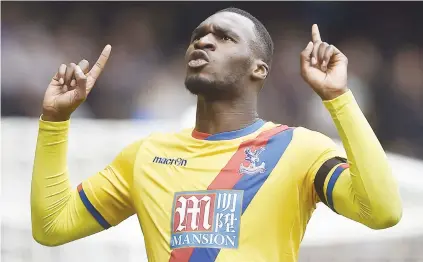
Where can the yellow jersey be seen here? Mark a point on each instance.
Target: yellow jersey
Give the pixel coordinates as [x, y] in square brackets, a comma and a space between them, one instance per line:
[244, 195]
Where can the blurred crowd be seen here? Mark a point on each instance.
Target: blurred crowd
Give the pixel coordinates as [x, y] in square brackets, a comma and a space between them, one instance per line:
[144, 76]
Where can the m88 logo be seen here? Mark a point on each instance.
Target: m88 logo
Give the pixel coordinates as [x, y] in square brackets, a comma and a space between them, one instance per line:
[207, 219]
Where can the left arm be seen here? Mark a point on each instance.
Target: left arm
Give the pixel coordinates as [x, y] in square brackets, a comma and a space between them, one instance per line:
[361, 188]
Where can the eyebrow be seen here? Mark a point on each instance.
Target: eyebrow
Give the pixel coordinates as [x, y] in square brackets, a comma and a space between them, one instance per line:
[202, 30]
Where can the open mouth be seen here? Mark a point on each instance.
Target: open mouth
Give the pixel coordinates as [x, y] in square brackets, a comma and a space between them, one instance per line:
[197, 63]
[198, 58]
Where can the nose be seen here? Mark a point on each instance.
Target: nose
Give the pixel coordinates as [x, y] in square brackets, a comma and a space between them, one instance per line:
[205, 42]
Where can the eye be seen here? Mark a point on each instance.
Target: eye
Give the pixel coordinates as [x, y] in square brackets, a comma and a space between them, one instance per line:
[226, 38]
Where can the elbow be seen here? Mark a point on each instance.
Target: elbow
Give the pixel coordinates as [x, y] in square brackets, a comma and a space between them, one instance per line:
[44, 239]
[384, 223]
[386, 218]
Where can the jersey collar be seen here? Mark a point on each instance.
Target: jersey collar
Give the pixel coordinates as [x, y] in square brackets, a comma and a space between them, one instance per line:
[230, 134]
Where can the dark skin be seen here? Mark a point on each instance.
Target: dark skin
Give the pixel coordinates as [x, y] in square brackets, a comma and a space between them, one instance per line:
[227, 86]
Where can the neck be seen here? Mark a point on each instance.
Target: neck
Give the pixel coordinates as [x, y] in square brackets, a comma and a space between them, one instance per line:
[219, 116]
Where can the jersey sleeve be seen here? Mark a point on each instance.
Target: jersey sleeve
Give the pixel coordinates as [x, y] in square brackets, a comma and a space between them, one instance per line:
[107, 194]
[358, 183]
[62, 214]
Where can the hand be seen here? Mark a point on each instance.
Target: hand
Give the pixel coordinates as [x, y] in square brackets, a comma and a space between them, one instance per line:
[70, 87]
[324, 67]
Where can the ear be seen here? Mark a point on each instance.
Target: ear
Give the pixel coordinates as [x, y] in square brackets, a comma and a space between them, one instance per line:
[260, 70]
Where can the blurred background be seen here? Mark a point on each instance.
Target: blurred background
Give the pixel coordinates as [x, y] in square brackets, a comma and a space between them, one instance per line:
[142, 90]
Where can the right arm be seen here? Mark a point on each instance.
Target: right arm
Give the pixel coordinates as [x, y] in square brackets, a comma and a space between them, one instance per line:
[59, 213]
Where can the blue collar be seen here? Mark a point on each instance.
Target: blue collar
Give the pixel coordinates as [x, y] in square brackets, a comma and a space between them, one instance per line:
[230, 134]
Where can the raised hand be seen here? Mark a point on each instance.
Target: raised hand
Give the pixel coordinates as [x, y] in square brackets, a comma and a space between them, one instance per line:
[324, 67]
[70, 87]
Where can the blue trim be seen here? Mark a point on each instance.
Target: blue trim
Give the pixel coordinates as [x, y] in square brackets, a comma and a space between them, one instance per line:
[273, 152]
[204, 255]
[100, 219]
[237, 133]
[331, 185]
[251, 184]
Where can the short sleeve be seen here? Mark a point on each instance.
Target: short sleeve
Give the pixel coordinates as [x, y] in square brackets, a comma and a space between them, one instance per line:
[107, 194]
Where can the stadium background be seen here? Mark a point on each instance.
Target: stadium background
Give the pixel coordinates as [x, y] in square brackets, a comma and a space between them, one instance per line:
[142, 90]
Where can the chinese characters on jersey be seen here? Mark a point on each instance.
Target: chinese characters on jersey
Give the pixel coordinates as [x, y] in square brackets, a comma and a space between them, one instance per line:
[208, 219]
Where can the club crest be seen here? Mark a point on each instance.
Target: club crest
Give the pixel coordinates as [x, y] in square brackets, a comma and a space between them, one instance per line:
[253, 159]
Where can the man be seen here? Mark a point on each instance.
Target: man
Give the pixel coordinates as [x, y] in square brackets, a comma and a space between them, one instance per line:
[234, 188]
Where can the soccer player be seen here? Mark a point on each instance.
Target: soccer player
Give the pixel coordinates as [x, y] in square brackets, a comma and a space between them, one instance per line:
[234, 187]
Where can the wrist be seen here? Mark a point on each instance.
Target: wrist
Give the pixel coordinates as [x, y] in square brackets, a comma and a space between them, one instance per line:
[50, 117]
[331, 95]
[339, 103]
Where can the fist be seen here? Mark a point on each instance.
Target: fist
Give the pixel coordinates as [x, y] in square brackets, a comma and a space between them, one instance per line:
[324, 67]
[70, 87]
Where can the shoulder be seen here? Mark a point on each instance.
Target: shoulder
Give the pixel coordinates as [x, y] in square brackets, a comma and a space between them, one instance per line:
[312, 136]
[313, 142]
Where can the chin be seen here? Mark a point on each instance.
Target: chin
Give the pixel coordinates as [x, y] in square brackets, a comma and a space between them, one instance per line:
[207, 86]
[199, 84]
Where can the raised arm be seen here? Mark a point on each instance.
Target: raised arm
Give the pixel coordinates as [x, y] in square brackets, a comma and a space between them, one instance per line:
[360, 186]
[59, 213]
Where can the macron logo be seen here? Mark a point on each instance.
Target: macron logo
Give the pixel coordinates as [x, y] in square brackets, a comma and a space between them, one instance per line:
[170, 161]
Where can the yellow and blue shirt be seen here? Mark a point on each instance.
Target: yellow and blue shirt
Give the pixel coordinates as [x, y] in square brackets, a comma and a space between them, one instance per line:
[244, 195]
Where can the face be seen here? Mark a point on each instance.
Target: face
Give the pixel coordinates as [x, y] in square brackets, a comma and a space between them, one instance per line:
[219, 58]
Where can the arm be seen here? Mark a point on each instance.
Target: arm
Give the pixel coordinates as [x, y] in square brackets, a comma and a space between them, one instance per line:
[61, 214]
[361, 188]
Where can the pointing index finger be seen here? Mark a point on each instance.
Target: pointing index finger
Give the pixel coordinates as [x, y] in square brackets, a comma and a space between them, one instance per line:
[95, 72]
[315, 34]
